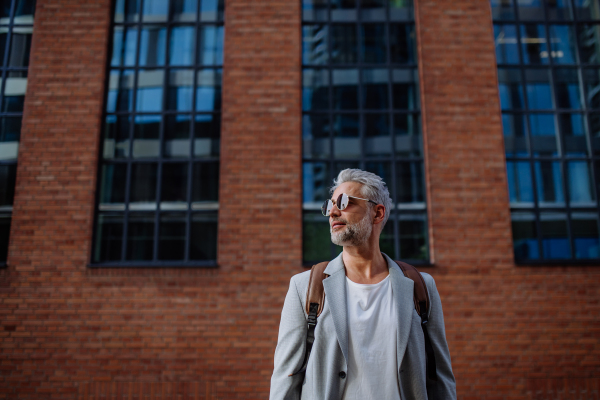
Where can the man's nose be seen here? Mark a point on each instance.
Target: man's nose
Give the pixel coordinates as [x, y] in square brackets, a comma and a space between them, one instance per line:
[335, 211]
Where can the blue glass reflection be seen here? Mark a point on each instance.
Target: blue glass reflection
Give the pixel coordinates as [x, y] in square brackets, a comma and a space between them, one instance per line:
[510, 89]
[520, 185]
[543, 134]
[567, 89]
[181, 83]
[208, 90]
[211, 45]
[549, 183]
[155, 10]
[581, 189]
[152, 46]
[525, 243]
[181, 46]
[539, 95]
[507, 51]
[211, 10]
[150, 90]
[533, 44]
[315, 89]
[562, 40]
[315, 184]
[555, 242]
[584, 227]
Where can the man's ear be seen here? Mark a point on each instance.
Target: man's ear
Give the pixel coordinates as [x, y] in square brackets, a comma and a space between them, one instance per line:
[379, 214]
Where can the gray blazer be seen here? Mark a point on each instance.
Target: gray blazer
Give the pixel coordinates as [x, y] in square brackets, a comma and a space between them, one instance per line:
[325, 377]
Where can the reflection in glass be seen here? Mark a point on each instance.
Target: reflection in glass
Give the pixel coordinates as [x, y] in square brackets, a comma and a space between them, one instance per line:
[503, 10]
[184, 10]
[378, 140]
[127, 10]
[589, 43]
[567, 89]
[211, 45]
[146, 133]
[203, 237]
[8, 178]
[10, 133]
[530, 10]
[24, 11]
[520, 186]
[19, 48]
[505, 38]
[510, 86]
[205, 182]
[573, 130]
[315, 89]
[207, 130]
[171, 237]
[539, 94]
[559, 10]
[409, 182]
[109, 238]
[375, 88]
[413, 236]
[180, 91]
[344, 46]
[533, 44]
[587, 9]
[208, 90]
[315, 10]
[580, 184]
[211, 10]
[525, 243]
[112, 183]
[315, 136]
[405, 89]
[401, 10]
[116, 137]
[592, 84]
[584, 228]
[149, 90]
[152, 46]
[177, 136]
[346, 136]
[345, 89]
[143, 184]
[562, 42]
[314, 44]
[316, 237]
[120, 91]
[315, 184]
[515, 141]
[373, 10]
[373, 43]
[555, 242]
[549, 183]
[407, 131]
[155, 10]
[402, 44]
[381, 168]
[14, 91]
[182, 45]
[140, 237]
[174, 186]
[543, 134]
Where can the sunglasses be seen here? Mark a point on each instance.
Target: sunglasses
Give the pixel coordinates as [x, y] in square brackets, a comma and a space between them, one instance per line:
[341, 203]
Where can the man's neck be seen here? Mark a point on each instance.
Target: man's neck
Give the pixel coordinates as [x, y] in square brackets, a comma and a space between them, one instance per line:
[365, 264]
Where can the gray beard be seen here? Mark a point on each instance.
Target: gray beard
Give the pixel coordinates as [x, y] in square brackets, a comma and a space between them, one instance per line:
[353, 235]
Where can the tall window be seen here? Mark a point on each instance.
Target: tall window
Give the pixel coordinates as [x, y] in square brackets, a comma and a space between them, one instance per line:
[361, 107]
[548, 55]
[16, 28]
[159, 170]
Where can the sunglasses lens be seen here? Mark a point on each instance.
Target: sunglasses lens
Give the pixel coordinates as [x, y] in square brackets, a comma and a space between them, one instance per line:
[326, 208]
[342, 201]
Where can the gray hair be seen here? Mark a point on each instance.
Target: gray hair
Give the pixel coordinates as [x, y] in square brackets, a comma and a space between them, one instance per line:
[373, 187]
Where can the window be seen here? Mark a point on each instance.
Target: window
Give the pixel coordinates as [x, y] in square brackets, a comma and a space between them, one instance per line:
[548, 55]
[158, 179]
[16, 28]
[361, 109]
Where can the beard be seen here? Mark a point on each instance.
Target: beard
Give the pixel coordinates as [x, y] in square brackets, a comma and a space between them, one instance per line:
[353, 234]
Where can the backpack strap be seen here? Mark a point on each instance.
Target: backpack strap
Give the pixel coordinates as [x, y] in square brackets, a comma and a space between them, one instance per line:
[421, 299]
[315, 298]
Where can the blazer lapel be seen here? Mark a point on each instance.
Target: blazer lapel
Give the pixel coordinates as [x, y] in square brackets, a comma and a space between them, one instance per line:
[335, 294]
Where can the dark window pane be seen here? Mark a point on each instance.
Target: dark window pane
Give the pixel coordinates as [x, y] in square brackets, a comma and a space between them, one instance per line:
[386, 240]
[120, 91]
[171, 237]
[314, 10]
[127, 10]
[150, 90]
[589, 43]
[402, 44]
[584, 227]
[405, 89]
[573, 130]
[4, 236]
[594, 120]
[539, 94]
[10, 129]
[315, 136]
[180, 93]
[3, 38]
[567, 89]
[587, 9]
[543, 134]
[383, 169]
[203, 237]
[413, 237]
[205, 182]
[316, 237]
[341, 165]
[549, 181]
[146, 135]
[520, 184]
[373, 10]
[124, 46]
[315, 89]
[343, 10]
[503, 10]
[19, 48]
[373, 37]
[507, 51]
[344, 46]
[177, 136]
[510, 86]
[116, 137]
[112, 183]
[174, 185]
[8, 174]
[555, 242]
[153, 46]
[562, 41]
[515, 141]
[346, 130]
[184, 10]
[14, 92]
[24, 11]
[378, 140]
[401, 10]
[206, 135]
[560, 10]
[345, 89]
[580, 184]
[211, 10]
[408, 139]
[592, 84]
[314, 44]
[143, 183]
[375, 88]
[410, 182]
[316, 184]
[109, 238]
[182, 45]
[534, 44]
[525, 241]
[208, 90]
[210, 51]
[530, 10]
[140, 237]
[155, 10]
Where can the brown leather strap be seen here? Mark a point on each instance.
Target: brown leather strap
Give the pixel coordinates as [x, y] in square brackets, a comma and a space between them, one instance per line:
[315, 293]
[420, 295]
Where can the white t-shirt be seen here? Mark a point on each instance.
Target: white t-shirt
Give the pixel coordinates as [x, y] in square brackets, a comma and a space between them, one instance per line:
[372, 365]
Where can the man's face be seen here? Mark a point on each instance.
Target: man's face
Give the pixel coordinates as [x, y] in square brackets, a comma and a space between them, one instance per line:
[353, 225]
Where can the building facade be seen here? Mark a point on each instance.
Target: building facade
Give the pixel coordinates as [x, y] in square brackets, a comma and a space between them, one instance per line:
[160, 163]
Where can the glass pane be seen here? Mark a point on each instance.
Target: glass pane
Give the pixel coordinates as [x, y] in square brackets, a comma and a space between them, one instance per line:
[401, 10]
[182, 45]
[594, 120]
[116, 137]
[408, 139]
[314, 10]
[10, 132]
[128, 48]
[150, 90]
[562, 41]
[120, 91]
[410, 182]
[580, 184]
[316, 184]
[386, 240]
[180, 92]
[143, 185]
[530, 10]
[505, 38]
[539, 94]
[205, 182]
[587, 9]
[184, 10]
[140, 237]
[112, 183]
[584, 227]
[177, 136]
[589, 43]
[146, 136]
[109, 238]
[342, 165]
[559, 10]
[153, 45]
[520, 184]
[573, 130]
[555, 242]
[316, 237]
[383, 169]
[127, 10]
[375, 88]
[405, 89]
[402, 44]
[567, 89]
[533, 44]
[373, 43]
[373, 10]
[502, 10]
[346, 136]
[514, 128]
[510, 86]
[8, 178]
[543, 134]
[155, 10]
[174, 186]
[207, 131]
[315, 89]
[20, 47]
[314, 44]
[24, 11]
[344, 46]
[4, 235]
[3, 37]
[525, 243]
[315, 136]
[345, 89]
[203, 237]
[14, 92]
[211, 45]
[208, 90]
[549, 183]
[171, 237]
[413, 237]
[592, 86]
[211, 10]
[378, 139]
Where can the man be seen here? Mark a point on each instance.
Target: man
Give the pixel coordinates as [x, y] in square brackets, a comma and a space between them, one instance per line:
[369, 343]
